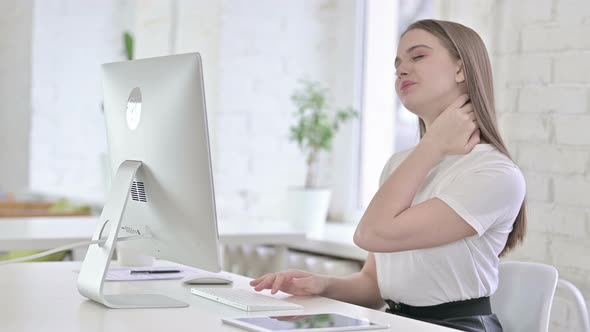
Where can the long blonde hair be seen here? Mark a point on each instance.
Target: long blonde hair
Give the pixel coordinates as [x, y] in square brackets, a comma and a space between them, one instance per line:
[465, 44]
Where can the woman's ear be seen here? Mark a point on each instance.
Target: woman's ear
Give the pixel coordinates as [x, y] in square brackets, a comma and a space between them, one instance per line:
[460, 72]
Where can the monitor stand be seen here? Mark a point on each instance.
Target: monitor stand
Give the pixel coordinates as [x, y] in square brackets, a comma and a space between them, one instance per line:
[96, 263]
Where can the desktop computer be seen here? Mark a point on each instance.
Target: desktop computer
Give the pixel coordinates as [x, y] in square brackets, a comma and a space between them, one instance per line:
[162, 183]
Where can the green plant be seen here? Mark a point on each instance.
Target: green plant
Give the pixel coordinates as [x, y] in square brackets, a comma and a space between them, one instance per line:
[129, 45]
[63, 205]
[315, 125]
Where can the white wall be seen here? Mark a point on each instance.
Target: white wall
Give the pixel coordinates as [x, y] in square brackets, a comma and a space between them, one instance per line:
[264, 50]
[15, 96]
[70, 41]
[542, 79]
[253, 54]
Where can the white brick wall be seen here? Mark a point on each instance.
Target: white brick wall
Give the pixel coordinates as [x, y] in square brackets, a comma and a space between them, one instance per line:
[253, 55]
[572, 129]
[70, 41]
[551, 99]
[542, 83]
[572, 68]
[562, 36]
[264, 50]
[567, 221]
[525, 128]
[550, 159]
[15, 95]
[571, 190]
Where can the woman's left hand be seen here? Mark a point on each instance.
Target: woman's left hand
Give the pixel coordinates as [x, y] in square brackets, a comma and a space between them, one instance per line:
[455, 131]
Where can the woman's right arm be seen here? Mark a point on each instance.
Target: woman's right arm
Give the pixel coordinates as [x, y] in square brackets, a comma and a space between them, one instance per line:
[359, 288]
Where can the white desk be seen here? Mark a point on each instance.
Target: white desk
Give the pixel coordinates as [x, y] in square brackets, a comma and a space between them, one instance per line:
[43, 297]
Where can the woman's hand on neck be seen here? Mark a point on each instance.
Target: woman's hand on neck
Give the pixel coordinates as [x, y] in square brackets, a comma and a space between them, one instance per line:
[454, 131]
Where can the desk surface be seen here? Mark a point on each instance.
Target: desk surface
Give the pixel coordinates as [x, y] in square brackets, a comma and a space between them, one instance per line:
[44, 297]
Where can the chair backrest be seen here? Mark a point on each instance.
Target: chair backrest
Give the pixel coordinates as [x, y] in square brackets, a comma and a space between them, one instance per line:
[523, 299]
[580, 303]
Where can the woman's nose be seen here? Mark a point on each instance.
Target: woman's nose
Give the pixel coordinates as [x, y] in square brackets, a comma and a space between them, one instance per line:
[400, 75]
[401, 71]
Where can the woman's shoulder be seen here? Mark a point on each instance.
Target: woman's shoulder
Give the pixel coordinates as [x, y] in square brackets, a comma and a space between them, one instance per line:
[487, 155]
[483, 158]
[487, 160]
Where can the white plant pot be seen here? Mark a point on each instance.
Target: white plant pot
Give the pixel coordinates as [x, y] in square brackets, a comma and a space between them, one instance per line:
[129, 256]
[307, 209]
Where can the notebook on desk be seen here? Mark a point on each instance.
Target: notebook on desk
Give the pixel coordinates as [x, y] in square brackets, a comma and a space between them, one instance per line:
[125, 273]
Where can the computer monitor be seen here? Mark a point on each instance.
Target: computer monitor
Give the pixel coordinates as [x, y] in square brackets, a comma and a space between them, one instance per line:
[162, 184]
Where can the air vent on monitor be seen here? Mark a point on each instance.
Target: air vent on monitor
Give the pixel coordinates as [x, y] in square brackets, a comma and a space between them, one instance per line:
[138, 192]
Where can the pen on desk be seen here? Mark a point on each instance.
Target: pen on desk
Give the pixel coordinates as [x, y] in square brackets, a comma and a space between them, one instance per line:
[154, 271]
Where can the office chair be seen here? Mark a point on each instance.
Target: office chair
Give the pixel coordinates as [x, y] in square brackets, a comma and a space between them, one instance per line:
[524, 296]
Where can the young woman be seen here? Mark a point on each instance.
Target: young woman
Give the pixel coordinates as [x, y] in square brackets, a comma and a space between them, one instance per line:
[447, 209]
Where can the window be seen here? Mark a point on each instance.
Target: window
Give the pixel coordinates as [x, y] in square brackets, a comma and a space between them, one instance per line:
[386, 126]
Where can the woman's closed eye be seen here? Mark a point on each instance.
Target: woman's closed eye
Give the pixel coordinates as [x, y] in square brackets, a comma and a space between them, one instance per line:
[414, 58]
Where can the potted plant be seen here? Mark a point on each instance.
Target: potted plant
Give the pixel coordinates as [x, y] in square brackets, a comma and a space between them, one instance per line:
[313, 131]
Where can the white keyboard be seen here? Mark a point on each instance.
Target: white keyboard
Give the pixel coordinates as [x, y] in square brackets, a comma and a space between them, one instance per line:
[244, 299]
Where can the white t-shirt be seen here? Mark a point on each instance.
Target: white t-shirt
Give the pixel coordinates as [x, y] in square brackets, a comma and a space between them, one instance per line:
[487, 190]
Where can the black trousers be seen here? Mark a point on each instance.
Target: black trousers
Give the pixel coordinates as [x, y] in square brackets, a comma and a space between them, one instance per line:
[473, 315]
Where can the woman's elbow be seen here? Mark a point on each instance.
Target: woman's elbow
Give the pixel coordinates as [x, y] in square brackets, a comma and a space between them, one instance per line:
[371, 241]
[361, 238]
